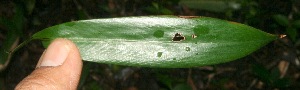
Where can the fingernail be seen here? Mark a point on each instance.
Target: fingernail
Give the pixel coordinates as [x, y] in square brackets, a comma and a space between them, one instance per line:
[55, 54]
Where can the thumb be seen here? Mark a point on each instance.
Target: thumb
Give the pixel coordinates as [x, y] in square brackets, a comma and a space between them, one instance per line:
[58, 68]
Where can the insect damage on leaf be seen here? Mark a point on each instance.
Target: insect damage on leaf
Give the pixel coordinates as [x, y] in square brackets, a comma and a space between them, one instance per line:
[194, 36]
[178, 37]
[159, 41]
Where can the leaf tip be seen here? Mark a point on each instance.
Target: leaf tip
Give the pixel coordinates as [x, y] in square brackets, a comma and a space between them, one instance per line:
[282, 36]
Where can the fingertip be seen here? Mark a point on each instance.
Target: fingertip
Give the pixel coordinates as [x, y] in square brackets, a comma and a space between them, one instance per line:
[73, 63]
[56, 53]
[59, 67]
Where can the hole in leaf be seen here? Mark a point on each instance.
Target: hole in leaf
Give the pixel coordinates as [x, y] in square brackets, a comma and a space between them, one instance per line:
[194, 36]
[178, 37]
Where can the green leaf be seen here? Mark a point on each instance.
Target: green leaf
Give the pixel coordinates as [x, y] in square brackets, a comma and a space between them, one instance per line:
[292, 33]
[281, 20]
[296, 24]
[30, 4]
[262, 73]
[14, 28]
[147, 41]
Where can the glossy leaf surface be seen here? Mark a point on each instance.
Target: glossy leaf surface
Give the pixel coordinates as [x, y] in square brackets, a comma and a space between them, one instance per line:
[148, 41]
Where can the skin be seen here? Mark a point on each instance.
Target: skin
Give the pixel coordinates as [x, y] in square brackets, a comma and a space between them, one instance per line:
[59, 68]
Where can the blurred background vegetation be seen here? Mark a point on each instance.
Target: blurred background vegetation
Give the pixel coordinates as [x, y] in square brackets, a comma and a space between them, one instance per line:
[275, 66]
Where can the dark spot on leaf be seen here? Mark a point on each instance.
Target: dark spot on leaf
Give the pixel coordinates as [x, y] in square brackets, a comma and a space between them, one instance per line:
[174, 58]
[158, 33]
[187, 49]
[178, 37]
[159, 54]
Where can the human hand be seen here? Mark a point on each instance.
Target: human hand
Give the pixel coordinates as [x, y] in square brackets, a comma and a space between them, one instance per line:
[59, 68]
